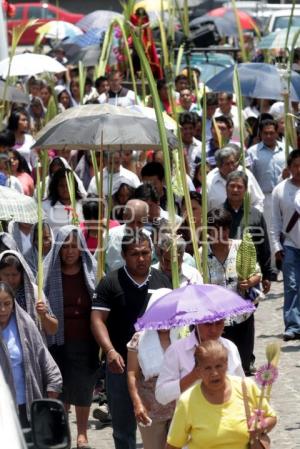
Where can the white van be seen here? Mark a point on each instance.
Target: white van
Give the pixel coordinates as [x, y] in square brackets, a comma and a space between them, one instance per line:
[280, 19]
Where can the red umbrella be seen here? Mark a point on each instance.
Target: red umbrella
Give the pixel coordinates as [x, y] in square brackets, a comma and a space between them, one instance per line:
[247, 22]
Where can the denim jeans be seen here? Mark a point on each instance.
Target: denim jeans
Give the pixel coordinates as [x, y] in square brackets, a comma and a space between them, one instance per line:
[121, 410]
[291, 282]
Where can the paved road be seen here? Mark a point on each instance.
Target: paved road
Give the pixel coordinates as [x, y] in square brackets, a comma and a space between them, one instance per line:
[286, 393]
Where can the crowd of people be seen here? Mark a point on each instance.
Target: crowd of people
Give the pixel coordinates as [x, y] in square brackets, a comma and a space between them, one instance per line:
[50, 345]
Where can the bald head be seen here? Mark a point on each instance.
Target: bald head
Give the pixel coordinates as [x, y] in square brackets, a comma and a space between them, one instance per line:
[136, 214]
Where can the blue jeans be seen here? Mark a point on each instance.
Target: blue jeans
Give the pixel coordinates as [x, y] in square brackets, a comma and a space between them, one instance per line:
[121, 410]
[291, 282]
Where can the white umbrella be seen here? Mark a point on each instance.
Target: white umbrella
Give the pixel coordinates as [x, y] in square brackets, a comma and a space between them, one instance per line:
[17, 207]
[58, 29]
[150, 113]
[30, 64]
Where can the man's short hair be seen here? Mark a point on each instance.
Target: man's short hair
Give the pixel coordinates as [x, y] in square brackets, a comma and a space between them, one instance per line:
[222, 119]
[99, 81]
[222, 154]
[136, 238]
[166, 241]
[292, 156]
[237, 174]
[186, 118]
[211, 99]
[267, 122]
[153, 169]
[228, 95]
[181, 78]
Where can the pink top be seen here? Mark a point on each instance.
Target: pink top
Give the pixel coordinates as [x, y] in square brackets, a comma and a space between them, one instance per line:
[27, 183]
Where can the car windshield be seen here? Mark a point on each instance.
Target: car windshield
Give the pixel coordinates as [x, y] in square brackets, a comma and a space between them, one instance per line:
[283, 22]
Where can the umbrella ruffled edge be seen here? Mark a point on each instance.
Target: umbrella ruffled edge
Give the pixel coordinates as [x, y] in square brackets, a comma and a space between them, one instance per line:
[216, 316]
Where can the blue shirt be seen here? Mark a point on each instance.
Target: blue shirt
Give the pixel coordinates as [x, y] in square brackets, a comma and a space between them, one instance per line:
[12, 339]
[267, 165]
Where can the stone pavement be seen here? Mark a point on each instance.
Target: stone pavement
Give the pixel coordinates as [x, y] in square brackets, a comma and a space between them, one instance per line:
[286, 391]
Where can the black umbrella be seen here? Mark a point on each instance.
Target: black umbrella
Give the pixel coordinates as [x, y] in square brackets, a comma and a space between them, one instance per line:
[86, 127]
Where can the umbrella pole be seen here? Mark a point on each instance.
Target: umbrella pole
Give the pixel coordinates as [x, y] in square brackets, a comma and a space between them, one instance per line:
[204, 195]
[100, 252]
[40, 236]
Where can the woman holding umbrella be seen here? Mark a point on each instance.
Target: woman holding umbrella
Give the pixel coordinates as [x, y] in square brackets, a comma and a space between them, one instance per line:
[199, 305]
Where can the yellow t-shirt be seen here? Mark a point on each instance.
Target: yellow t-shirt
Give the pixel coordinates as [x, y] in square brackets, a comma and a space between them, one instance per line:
[199, 424]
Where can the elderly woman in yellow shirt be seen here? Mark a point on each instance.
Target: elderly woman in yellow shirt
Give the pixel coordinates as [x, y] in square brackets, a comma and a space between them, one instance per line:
[212, 414]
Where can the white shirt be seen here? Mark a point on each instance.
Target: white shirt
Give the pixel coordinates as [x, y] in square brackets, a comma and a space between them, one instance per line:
[123, 175]
[193, 151]
[122, 100]
[14, 183]
[283, 208]
[233, 114]
[60, 215]
[26, 151]
[179, 360]
[216, 190]
[188, 274]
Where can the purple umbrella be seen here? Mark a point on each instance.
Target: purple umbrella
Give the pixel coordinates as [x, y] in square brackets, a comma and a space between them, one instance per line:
[193, 304]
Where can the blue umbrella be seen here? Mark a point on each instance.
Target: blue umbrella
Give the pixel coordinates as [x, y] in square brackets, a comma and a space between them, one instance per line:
[258, 80]
[92, 37]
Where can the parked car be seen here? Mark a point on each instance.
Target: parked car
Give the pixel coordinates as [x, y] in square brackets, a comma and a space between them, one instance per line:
[280, 19]
[49, 424]
[44, 12]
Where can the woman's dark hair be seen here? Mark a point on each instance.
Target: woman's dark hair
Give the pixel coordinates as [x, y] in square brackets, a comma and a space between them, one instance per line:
[13, 120]
[56, 160]
[10, 260]
[90, 207]
[130, 189]
[23, 166]
[35, 230]
[53, 195]
[4, 287]
[196, 196]
[70, 97]
[7, 138]
[161, 83]
[146, 192]
[219, 218]
[153, 169]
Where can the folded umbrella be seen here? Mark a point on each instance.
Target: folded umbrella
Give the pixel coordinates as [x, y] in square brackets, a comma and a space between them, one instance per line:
[85, 127]
[258, 80]
[17, 207]
[193, 304]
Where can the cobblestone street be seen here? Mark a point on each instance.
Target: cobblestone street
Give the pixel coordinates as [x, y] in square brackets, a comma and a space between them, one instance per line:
[286, 392]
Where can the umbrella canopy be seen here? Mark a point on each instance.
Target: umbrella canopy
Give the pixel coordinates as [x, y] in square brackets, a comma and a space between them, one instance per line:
[97, 19]
[58, 29]
[13, 94]
[92, 37]
[247, 22]
[277, 39]
[88, 55]
[193, 304]
[223, 25]
[170, 123]
[30, 64]
[83, 127]
[17, 207]
[258, 80]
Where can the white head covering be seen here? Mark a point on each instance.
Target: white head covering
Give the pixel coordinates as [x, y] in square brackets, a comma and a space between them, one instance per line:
[277, 110]
[297, 202]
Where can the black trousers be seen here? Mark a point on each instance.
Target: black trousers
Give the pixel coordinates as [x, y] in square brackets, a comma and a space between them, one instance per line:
[242, 335]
